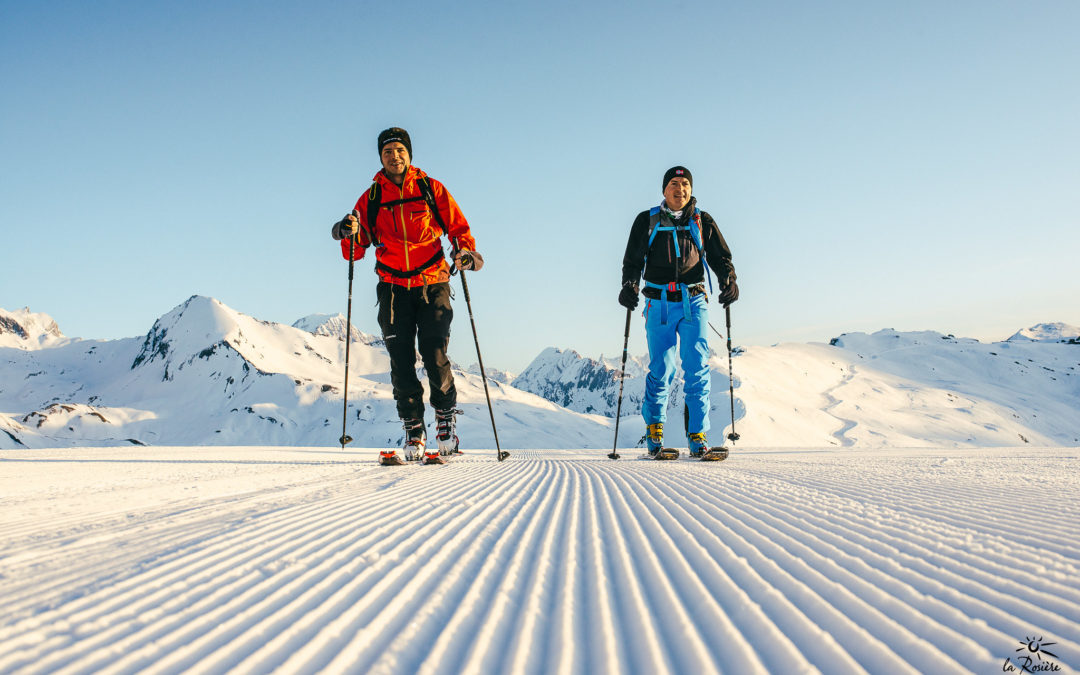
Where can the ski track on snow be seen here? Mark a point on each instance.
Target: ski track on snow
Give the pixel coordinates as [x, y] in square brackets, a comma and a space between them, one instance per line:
[560, 561]
[847, 425]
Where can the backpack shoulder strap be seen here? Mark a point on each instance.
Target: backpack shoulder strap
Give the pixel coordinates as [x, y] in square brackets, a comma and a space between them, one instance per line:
[655, 226]
[374, 202]
[429, 196]
[695, 229]
[699, 241]
[654, 219]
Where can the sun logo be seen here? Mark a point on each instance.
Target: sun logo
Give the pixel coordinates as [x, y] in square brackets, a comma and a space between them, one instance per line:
[1036, 647]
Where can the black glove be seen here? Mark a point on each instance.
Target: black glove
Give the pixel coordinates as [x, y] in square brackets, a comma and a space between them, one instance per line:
[730, 293]
[346, 227]
[628, 296]
[468, 260]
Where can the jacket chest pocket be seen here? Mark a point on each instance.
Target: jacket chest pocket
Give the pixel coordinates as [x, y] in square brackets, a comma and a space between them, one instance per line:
[419, 223]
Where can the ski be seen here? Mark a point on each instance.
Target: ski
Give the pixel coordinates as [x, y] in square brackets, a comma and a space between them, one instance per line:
[390, 459]
[395, 459]
[664, 454]
[714, 454]
[412, 453]
[414, 456]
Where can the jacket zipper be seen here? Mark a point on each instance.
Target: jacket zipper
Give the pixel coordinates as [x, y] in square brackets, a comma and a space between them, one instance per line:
[404, 234]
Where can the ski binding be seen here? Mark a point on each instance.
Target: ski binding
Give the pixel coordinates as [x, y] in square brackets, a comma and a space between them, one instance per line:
[390, 458]
[665, 454]
[714, 454]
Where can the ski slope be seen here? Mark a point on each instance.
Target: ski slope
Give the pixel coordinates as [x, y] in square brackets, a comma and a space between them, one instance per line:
[303, 560]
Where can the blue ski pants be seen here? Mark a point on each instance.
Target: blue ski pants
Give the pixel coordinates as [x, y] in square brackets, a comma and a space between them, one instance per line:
[668, 323]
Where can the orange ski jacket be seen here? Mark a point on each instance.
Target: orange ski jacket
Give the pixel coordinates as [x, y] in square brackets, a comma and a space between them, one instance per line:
[406, 235]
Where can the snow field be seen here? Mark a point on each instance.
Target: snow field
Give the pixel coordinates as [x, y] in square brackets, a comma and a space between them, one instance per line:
[301, 560]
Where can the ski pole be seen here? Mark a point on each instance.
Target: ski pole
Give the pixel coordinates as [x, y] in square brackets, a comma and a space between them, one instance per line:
[622, 378]
[733, 436]
[468, 303]
[345, 438]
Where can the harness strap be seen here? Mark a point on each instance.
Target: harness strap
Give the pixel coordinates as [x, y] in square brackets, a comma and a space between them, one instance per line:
[671, 286]
[435, 259]
[396, 202]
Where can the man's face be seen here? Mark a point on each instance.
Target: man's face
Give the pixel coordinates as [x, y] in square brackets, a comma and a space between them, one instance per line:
[677, 193]
[395, 158]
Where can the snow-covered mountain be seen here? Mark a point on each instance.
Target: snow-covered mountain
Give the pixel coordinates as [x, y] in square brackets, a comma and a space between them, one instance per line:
[493, 374]
[206, 374]
[886, 389]
[23, 329]
[333, 325]
[579, 383]
[1049, 332]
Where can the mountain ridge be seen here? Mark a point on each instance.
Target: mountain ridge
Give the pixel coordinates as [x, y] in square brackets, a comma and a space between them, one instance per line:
[207, 374]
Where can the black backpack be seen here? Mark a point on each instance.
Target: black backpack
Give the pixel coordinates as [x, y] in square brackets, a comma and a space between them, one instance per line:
[375, 203]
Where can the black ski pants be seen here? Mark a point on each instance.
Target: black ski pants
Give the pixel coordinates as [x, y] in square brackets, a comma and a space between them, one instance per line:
[415, 319]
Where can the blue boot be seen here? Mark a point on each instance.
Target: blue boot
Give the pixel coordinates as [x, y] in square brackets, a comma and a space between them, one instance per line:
[698, 444]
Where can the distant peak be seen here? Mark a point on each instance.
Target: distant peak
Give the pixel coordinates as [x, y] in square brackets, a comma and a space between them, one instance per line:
[1047, 332]
[28, 330]
[332, 325]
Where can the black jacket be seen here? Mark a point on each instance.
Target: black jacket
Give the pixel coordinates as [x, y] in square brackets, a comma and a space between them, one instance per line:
[662, 267]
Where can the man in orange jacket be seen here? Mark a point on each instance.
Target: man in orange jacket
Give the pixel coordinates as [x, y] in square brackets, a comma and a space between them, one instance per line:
[404, 215]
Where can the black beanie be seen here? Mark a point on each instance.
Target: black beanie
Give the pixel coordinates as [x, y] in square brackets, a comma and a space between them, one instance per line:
[395, 135]
[674, 171]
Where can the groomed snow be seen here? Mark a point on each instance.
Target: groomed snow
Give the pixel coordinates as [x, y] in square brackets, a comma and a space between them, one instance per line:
[255, 559]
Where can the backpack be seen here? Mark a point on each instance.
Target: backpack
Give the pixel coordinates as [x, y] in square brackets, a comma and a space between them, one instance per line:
[693, 224]
[375, 203]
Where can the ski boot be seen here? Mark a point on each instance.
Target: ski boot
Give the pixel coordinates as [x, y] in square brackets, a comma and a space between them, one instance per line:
[655, 443]
[698, 445]
[654, 438]
[446, 428]
[415, 439]
[416, 443]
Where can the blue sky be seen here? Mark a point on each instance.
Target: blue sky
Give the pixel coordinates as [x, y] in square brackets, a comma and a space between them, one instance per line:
[904, 165]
